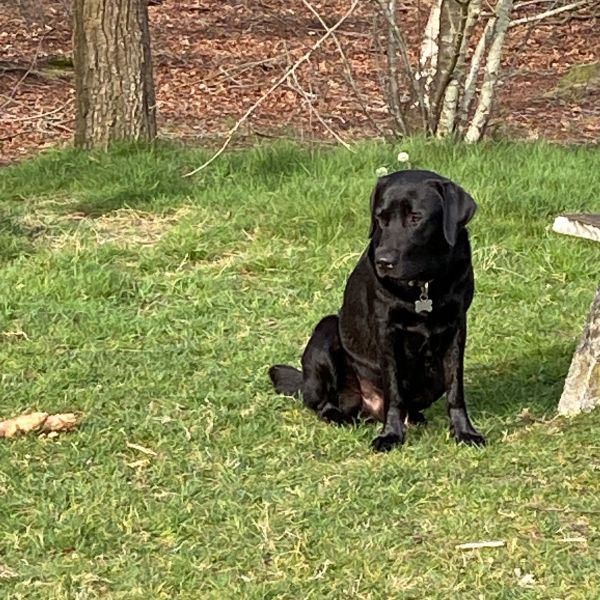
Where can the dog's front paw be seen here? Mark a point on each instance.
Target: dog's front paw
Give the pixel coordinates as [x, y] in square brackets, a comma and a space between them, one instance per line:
[386, 442]
[471, 438]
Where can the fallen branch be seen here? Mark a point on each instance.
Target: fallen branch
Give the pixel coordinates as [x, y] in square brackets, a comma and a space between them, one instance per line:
[358, 34]
[26, 74]
[10, 136]
[523, 5]
[39, 422]
[9, 66]
[346, 64]
[550, 13]
[300, 90]
[41, 115]
[279, 81]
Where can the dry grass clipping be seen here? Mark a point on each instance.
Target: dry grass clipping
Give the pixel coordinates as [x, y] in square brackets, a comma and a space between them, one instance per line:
[124, 227]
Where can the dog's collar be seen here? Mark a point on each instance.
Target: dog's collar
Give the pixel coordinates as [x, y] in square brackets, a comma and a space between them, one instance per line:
[419, 283]
[424, 304]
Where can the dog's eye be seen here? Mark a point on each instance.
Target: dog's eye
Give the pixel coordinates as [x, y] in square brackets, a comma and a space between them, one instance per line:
[415, 217]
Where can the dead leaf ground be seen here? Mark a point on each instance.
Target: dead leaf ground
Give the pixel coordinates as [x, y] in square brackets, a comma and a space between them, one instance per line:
[213, 60]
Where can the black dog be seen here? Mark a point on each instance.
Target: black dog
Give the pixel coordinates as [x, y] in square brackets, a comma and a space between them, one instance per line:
[398, 342]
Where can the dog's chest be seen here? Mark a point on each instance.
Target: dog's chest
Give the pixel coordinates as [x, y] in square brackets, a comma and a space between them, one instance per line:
[422, 343]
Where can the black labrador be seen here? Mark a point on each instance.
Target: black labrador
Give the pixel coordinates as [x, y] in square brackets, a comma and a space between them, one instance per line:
[398, 342]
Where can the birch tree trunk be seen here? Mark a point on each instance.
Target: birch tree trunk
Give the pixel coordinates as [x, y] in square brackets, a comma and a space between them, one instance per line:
[492, 70]
[429, 52]
[453, 16]
[449, 113]
[113, 72]
[394, 74]
[471, 79]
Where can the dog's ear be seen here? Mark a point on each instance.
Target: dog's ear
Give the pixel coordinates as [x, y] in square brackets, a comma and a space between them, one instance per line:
[374, 199]
[459, 208]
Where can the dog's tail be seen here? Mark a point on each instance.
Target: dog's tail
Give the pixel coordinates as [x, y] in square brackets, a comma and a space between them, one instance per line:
[286, 380]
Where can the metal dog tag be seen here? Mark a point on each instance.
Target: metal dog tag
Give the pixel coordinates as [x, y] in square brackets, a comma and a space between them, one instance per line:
[423, 305]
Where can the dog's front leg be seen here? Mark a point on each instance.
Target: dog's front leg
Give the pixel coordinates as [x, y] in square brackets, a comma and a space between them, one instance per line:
[394, 409]
[460, 423]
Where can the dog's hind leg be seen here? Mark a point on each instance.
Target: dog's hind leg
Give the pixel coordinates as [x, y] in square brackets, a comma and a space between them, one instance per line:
[321, 371]
[323, 381]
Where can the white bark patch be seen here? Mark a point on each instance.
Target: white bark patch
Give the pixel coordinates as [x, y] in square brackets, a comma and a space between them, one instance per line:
[429, 51]
[492, 71]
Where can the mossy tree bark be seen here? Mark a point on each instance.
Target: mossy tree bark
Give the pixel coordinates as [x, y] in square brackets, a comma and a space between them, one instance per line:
[113, 72]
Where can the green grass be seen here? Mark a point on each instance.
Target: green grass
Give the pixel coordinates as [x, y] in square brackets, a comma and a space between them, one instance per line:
[154, 304]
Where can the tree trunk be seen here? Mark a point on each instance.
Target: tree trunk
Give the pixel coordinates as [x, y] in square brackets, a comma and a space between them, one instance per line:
[470, 86]
[447, 123]
[393, 74]
[491, 73]
[429, 52]
[113, 72]
[453, 16]
[582, 386]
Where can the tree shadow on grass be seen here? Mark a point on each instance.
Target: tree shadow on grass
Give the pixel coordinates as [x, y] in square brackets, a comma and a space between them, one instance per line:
[15, 239]
[532, 382]
[498, 395]
[507, 396]
[99, 206]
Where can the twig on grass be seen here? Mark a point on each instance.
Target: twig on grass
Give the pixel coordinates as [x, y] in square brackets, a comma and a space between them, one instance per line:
[476, 545]
[277, 83]
[141, 449]
[565, 510]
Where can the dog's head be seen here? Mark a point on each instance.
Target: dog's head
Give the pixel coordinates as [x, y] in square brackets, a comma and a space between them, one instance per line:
[416, 217]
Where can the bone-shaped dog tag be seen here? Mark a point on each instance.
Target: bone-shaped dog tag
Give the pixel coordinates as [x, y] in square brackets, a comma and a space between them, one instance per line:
[423, 305]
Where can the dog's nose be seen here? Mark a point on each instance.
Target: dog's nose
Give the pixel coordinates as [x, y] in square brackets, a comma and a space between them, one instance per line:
[385, 263]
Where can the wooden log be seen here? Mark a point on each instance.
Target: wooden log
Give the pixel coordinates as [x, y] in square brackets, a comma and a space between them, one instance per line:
[583, 226]
[582, 385]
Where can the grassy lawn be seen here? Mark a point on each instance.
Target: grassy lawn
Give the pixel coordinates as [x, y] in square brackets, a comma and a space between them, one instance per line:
[154, 305]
